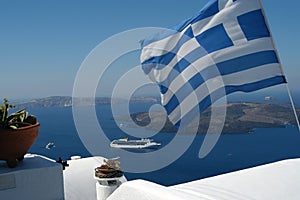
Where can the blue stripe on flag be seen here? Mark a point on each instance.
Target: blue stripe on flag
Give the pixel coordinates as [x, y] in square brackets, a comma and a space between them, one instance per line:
[250, 87]
[247, 62]
[174, 102]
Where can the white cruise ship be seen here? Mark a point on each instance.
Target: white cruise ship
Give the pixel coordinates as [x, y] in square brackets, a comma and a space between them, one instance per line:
[133, 144]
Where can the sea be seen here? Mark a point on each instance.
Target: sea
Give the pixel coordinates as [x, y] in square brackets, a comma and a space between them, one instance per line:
[232, 151]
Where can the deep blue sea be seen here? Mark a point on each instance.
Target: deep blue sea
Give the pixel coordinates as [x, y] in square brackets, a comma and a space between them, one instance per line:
[232, 152]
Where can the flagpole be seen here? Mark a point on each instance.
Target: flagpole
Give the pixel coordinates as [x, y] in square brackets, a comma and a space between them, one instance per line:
[293, 106]
[286, 84]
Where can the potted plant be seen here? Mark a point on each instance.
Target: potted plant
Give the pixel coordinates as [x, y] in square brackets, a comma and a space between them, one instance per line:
[18, 131]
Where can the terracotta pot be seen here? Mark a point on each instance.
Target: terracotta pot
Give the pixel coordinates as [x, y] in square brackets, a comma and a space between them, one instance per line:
[14, 144]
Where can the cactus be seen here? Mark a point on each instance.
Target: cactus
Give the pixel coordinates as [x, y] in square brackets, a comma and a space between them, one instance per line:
[15, 120]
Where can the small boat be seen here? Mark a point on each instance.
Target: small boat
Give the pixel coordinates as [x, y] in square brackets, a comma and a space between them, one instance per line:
[50, 145]
[125, 143]
[268, 98]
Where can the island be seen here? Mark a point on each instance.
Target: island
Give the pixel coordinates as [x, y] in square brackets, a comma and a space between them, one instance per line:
[240, 118]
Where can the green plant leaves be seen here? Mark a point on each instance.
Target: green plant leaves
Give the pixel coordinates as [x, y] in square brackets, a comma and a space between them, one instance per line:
[15, 120]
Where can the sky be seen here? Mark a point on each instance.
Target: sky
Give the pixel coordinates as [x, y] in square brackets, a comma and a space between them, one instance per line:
[44, 42]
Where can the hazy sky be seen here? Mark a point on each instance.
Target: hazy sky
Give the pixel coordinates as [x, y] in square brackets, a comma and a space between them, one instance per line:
[44, 42]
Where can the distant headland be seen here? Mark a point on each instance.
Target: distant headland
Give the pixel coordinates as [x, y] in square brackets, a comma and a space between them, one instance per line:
[67, 101]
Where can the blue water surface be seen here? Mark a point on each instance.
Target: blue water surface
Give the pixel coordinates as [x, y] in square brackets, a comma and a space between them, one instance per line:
[232, 152]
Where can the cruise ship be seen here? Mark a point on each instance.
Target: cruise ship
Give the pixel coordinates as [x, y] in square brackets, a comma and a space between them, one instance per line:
[133, 144]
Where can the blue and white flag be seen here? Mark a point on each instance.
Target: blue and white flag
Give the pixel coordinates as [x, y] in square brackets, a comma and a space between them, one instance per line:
[227, 46]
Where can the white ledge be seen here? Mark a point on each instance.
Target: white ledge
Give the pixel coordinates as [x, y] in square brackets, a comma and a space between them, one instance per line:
[276, 181]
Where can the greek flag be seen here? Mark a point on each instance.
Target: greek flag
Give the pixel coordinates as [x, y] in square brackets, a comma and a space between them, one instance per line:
[226, 47]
